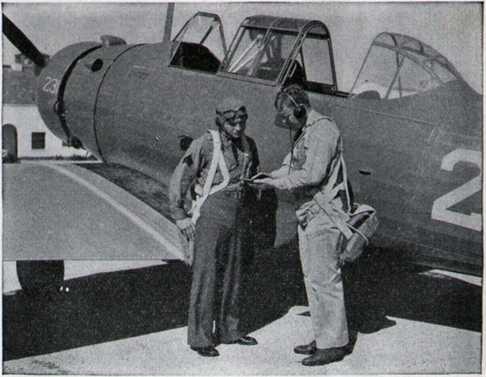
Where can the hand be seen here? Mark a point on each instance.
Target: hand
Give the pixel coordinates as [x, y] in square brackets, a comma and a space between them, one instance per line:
[260, 176]
[341, 261]
[187, 228]
[263, 183]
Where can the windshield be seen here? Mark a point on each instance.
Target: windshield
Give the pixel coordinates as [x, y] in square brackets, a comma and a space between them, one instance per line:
[260, 53]
[397, 66]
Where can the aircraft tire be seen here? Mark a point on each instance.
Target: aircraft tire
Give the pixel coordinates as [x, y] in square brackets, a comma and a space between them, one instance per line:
[39, 277]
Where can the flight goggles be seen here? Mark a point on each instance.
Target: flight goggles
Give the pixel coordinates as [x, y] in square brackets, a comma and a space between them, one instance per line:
[234, 116]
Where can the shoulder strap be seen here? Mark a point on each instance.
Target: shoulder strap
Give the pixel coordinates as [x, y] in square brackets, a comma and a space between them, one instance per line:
[339, 164]
[217, 160]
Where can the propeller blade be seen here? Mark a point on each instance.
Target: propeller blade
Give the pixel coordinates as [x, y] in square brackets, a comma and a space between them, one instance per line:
[168, 22]
[20, 40]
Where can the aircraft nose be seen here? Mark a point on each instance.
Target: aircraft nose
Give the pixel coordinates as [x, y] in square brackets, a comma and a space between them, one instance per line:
[51, 89]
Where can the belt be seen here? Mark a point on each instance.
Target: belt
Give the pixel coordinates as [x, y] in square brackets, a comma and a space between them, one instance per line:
[235, 191]
[235, 194]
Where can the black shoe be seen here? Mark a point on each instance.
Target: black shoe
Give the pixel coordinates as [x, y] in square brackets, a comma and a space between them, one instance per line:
[209, 351]
[245, 341]
[306, 349]
[325, 356]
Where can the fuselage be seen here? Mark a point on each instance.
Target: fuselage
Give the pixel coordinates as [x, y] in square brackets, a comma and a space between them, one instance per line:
[128, 106]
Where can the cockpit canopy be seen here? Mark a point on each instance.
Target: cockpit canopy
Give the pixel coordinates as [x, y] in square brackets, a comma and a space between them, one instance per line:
[398, 66]
[269, 50]
[284, 50]
[281, 51]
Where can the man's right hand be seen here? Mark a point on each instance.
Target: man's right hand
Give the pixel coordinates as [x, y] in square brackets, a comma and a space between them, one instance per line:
[263, 183]
[187, 228]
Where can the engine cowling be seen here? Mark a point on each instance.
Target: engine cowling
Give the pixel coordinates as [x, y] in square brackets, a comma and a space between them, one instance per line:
[51, 89]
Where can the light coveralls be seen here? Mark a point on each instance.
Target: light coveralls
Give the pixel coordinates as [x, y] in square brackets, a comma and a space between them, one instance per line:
[315, 156]
[220, 240]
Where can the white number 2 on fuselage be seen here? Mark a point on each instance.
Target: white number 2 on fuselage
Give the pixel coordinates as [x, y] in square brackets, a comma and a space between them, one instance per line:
[440, 206]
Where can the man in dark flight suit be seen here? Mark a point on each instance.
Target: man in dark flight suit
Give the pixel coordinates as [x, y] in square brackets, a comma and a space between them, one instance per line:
[214, 167]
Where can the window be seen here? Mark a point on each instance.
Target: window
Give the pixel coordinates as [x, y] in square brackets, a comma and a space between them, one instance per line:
[398, 66]
[317, 57]
[377, 74]
[311, 62]
[200, 44]
[38, 140]
[411, 79]
[260, 54]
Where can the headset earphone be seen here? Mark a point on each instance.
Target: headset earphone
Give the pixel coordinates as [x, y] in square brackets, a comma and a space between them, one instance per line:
[300, 110]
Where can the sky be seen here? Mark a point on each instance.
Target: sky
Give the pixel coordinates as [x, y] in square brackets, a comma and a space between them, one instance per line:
[452, 28]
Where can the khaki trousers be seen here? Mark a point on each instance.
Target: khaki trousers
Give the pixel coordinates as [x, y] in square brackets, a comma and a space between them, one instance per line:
[319, 245]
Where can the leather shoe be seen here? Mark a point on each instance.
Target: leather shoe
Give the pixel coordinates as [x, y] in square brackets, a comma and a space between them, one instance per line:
[306, 349]
[209, 351]
[325, 356]
[245, 341]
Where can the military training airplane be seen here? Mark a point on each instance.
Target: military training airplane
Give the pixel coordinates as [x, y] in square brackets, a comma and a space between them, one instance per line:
[412, 129]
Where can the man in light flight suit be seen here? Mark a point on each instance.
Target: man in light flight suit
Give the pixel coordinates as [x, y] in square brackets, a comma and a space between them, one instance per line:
[215, 165]
[307, 172]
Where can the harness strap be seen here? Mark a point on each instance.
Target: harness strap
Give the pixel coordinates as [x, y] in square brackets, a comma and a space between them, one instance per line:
[325, 197]
[217, 161]
[339, 164]
[337, 215]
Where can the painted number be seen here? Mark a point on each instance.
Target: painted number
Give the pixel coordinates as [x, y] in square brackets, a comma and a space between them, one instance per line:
[440, 207]
[50, 85]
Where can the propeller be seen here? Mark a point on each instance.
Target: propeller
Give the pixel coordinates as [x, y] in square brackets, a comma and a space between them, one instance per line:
[23, 44]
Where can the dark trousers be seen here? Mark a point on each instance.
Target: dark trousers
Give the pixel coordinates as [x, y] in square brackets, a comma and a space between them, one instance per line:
[216, 270]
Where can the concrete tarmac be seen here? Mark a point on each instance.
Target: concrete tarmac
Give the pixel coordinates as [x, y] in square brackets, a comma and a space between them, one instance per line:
[63, 211]
[133, 321]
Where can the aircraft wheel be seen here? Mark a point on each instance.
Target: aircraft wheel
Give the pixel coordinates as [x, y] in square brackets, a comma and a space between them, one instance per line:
[37, 277]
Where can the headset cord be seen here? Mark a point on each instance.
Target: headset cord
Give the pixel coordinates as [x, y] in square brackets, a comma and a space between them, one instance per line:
[292, 145]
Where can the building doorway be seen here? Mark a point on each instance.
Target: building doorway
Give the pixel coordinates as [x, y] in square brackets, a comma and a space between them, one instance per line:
[9, 143]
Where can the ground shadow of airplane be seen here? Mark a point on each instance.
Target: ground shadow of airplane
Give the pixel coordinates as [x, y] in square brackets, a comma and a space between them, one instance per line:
[118, 305]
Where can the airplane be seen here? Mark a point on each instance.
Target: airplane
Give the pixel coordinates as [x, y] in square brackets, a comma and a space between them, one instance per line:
[411, 127]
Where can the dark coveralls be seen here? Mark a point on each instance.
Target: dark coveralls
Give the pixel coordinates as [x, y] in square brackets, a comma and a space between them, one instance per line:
[220, 236]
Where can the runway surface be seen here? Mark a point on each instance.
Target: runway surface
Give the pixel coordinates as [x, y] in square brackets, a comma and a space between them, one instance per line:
[133, 321]
[63, 211]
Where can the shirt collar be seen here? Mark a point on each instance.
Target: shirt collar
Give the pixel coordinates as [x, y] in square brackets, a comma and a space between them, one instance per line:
[227, 141]
[312, 117]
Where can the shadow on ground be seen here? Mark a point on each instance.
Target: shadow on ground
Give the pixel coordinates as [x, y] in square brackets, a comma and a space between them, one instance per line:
[118, 305]
[98, 308]
[379, 285]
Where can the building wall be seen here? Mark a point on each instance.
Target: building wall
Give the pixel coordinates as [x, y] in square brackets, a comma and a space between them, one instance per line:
[26, 119]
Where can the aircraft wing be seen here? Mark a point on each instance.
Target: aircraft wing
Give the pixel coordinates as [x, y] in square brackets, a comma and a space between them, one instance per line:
[91, 211]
